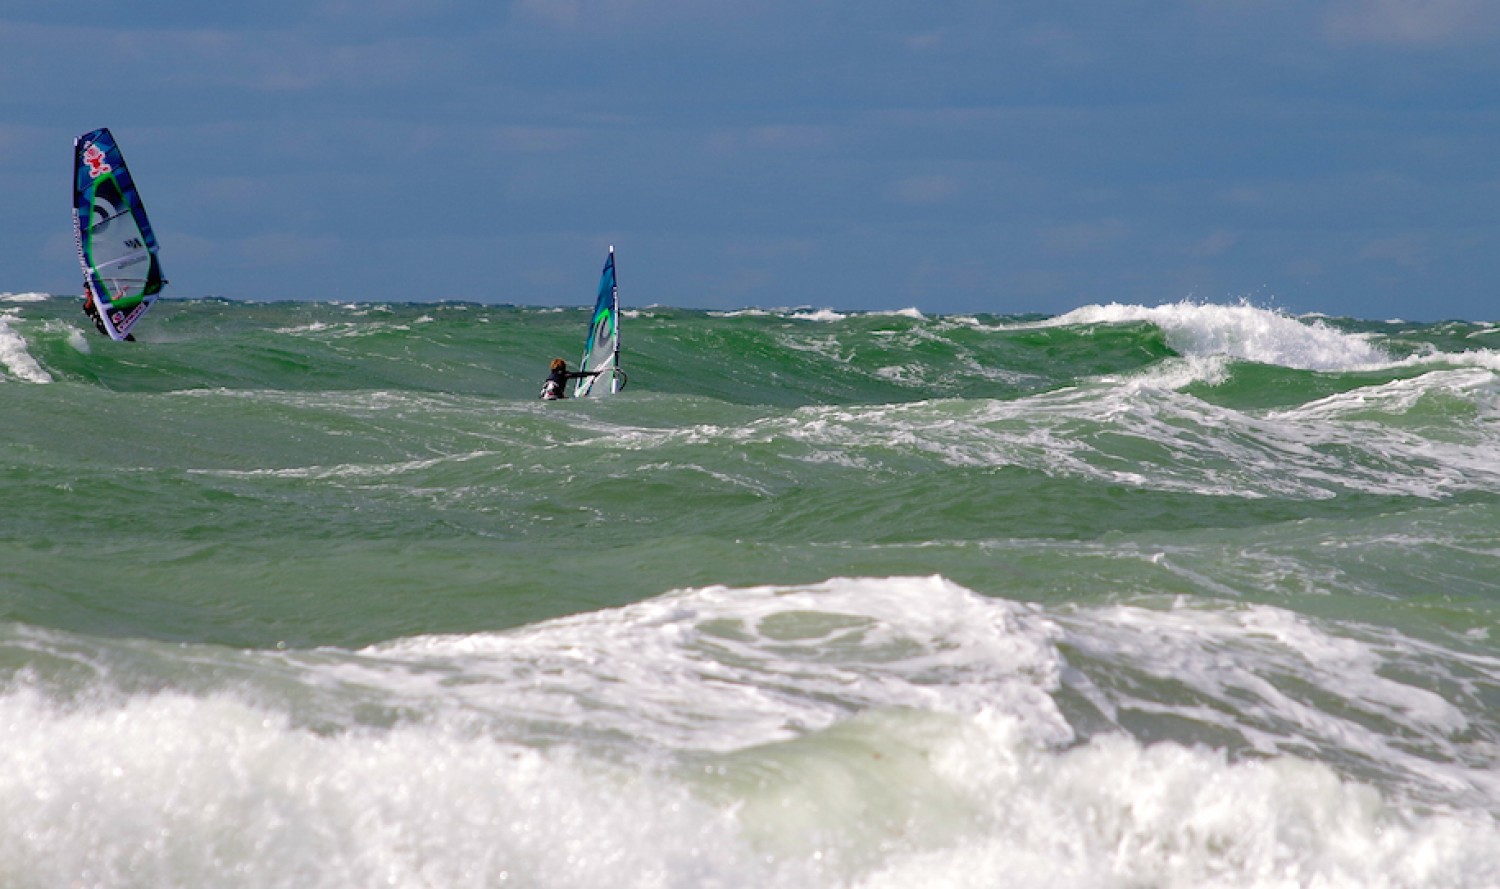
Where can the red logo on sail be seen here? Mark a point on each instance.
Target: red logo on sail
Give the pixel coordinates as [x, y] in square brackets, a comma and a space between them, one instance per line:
[95, 159]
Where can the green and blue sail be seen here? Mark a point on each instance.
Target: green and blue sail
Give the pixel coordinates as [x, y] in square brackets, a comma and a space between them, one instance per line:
[601, 352]
[116, 246]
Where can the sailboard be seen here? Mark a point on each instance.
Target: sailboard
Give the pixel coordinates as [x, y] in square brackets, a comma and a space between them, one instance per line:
[121, 274]
[601, 351]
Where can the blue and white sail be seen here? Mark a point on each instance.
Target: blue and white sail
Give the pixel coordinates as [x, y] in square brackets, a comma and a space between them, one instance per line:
[601, 352]
[121, 274]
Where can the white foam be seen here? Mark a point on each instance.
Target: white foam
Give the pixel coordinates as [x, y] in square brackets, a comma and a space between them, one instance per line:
[346, 329]
[24, 297]
[1241, 331]
[817, 315]
[752, 665]
[79, 341]
[824, 315]
[911, 751]
[310, 327]
[15, 357]
[1142, 431]
[1115, 813]
[347, 470]
[168, 790]
[744, 313]
[1284, 685]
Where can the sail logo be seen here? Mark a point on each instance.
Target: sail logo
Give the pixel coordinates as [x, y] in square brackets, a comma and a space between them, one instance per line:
[98, 166]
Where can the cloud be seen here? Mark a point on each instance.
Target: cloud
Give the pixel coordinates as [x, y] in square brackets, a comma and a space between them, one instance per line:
[924, 190]
[789, 137]
[1215, 244]
[536, 139]
[927, 41]
[771, 248]
[1084, 237]
[1407, 250]
[229, 190]
[380, 11]
[291, 63]
[19, 144]
[557, 13]
[280, 248]
[784, 138]
[1246, 196]
[1413, 23]
[1059, 45]
[606, 15]
[261, 60]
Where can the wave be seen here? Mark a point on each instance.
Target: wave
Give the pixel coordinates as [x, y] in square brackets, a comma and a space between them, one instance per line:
[752, 356]
[1244, 332]
[15, 357]
[863, 732]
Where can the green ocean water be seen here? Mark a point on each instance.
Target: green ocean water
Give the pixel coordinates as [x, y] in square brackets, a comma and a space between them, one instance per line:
[821, 598]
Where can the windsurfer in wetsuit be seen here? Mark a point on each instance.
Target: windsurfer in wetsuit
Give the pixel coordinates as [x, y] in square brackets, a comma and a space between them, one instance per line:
[557, 381]
[92, 310]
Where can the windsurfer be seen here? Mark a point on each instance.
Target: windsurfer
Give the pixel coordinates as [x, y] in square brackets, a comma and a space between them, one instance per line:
[557, 381]
[92, 310]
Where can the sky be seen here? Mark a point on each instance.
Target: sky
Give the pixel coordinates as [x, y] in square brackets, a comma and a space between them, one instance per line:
[954, 156]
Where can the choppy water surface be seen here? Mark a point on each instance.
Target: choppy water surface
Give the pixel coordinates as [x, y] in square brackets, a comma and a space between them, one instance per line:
[322, 595]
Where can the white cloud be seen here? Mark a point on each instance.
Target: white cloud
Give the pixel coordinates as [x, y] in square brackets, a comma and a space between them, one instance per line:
[257, 59]
[1215, 244]
[1416, 23]
[770, 137]
[1063, 46]
[1406, 250]
[794, 137]
[771, 248]
[1084, 237]
[20, 143]
[229, 189]
[1246, 196]
[925, 42]
[381, 10]
[285, 249]
[557, 13]
[281, 63]
[590, 15]
[924, 190]
[536, 139]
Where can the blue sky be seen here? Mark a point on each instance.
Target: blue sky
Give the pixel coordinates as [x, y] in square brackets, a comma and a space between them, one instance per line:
[1334, 156]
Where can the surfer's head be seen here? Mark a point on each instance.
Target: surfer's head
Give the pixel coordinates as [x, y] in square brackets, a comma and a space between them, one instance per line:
[558, 364]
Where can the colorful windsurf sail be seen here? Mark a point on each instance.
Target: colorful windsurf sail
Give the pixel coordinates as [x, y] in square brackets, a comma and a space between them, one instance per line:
[121, 274]
[601, 352]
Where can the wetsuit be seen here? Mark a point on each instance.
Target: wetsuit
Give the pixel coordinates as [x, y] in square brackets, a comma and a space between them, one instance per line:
[91, 309]
[557, 383]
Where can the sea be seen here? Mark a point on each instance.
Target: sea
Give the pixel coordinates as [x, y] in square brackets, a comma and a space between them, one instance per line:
[320, 594]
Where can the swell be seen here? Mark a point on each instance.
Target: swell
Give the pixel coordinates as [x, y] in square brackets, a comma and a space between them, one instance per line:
[774, 359]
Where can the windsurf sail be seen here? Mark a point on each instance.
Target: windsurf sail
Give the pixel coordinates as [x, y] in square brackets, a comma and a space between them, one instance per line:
[121, 274]
[601, 352]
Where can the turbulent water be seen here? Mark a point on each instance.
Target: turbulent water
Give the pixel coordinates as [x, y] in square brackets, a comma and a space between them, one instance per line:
[322, 595]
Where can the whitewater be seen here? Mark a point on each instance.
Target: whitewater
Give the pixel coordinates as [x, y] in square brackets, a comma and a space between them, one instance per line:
[322, 595]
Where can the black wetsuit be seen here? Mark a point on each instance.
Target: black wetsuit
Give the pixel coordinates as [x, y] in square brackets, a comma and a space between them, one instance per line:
[558, 381]
[92, 310]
